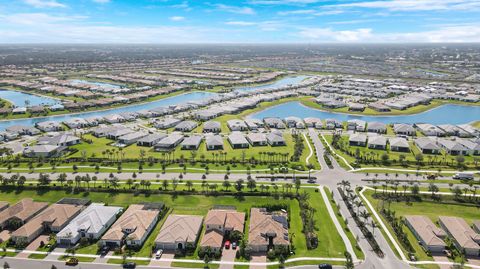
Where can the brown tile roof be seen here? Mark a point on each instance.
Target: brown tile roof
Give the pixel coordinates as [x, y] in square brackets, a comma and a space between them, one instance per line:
[461, 232]
[22, 210]
[230, 219]
[426, 230]
[180, 228]
[264, 224]
[213, 239]
[136, 219]
[3, 205]
[56, 215]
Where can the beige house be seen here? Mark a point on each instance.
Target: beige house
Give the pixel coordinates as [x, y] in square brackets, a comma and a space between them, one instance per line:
[429, 236]
[267, 230]
[464, 237]
[220, 223]
[22, 211]
[178, 231]
[52, 219]
[132, 227]
[3, 206]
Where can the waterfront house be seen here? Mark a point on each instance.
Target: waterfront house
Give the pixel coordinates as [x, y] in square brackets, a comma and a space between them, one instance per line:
[49, 126]
[377, 127]
[404, 129]
[237, 125]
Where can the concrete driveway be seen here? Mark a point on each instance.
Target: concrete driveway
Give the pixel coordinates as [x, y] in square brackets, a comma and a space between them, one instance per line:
[228, 255]
[258, 258]
[34, 245]
[162, 262]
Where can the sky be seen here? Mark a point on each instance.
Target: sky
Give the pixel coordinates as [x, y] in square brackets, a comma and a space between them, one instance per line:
[242, 21]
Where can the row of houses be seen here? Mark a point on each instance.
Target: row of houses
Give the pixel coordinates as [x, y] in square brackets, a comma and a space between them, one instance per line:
[398, 144]
[432, 238]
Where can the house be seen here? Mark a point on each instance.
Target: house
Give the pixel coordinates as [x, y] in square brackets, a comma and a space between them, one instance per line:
[452, 130]
[311, 122]
[91, 223]
[131, 138]
[133, 226]
[150, 140]
[214, 142]
[476, 226]
[20, 213]
[274, 123]
[103, 131]
[118, 132]
[237, 140]
[356, 125]
[429, 129]
[186, 126]
[257, 139]
[332, 124]
[292, 122]
[404, 129]
[46, 151]
[76, 123]
[51, 220]
[178, 231]
[452, 147]
[205, 114]
[356, 107]
[49, 126]
[377, 142]
[377, 127]
[220, 223]
[267, 230]
[399, 144]
[212, 127]
[169, 142]
[3, 206]
[275, 138]
[427, 145]
[254, 124]
[192, 142]
[237, 125]
[64, 140]
[357, 140]
[379, 107]
[22, 130]
[464, 237]
[166, 123]
[114, 118]
[472, 147]
[428, 235]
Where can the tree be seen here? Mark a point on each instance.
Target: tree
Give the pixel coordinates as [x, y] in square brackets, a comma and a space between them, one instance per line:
[239, 185]
[457, 192]
[433, 189]
[415, 189]
[251, 184]
[226, 185]
[165, 184]
[349, 262]
[189, 185]
[298, 183]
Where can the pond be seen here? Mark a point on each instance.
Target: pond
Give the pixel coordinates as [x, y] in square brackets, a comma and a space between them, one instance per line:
[291, 80]
[101, 84]
[445, 114]
[21, 99]
[175, 100]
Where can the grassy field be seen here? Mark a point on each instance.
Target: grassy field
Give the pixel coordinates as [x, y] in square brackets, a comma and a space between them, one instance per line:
[370, 112]
[429, 209]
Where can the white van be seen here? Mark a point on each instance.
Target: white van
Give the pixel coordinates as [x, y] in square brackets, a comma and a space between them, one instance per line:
[463, 176]
[159, 253]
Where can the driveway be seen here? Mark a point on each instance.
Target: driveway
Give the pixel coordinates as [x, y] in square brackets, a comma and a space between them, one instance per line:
[258, 258]
[162, 262]
[5, 235]
[228, 255]
[34, 245]
[53, 257]
[441, 258]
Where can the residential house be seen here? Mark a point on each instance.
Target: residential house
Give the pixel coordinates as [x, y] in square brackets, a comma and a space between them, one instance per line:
[472, 147]
[49, 126]
[191, 142]
[45, 151]
[377, 127]
[51, 220]
[76, 123]
[237, 125]
[186, 126]
[150, 140]
[399, 144]
[465, 239]
[357, 140]
[356, 125]
[267, 230]
[428, 235]
[91, 223]
[20, 213]
[404, 129]
[311, 122]
[212, 127]
[179, 231]
[220, 223]
[377, 142]
[131, 138]
[275, 138]
[452, 147]
[427, 145]
[257, 139]
[292, 122]
[133, 226]
[64, 140]
[254, 124]
[22, 130]
[237, 140]
[429, 129]
[169, 142]
[274, 123]
[166, 123]
[214, 142]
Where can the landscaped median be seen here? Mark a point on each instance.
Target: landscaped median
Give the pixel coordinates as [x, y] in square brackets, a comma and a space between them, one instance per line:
[390, 209]
[304, 206]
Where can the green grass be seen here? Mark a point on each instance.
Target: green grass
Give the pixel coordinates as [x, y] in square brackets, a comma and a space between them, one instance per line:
[147, 247]
[90, 249]
[37, 256]
[80, 259]
[194, 265]
[121, 261]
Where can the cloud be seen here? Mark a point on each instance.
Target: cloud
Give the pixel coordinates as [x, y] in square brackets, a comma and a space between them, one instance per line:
[329, 35]
[241, 23]
[235, 9]
[262, 25]
[415, 5]
[282, 2]
[44, 3]
[37, 18]
[296, 12]
[184, 5]
[177, 18]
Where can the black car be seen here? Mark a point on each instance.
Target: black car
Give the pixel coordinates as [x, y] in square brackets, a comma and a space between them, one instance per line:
[129, 265]
[325, 266]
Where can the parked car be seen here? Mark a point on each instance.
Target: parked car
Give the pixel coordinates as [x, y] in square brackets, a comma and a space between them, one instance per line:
[234, 245]
[129, 265]
[159, 253]
[71, 261]
[463, 176]
[431, 176]
[227, 244]
[325, 266]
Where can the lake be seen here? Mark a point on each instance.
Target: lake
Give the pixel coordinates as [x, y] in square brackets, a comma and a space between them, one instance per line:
[445, 114]
[291, 80]
[19, 99]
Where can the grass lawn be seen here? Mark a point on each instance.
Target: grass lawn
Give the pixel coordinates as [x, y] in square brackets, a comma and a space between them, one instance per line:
[37, 256]
[147, 247]
[429, 209]
[90, 249]
[80, 259]
[121, 261]
[194, 265]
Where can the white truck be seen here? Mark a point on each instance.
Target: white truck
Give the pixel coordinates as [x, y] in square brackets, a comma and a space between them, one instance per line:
[463, 176]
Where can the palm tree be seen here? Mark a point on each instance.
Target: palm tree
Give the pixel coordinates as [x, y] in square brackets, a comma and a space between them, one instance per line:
[226, 185]
[344, 184]
[189, 185]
